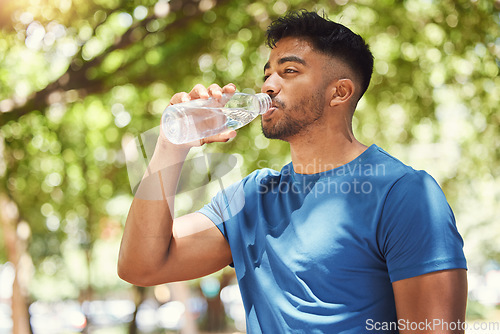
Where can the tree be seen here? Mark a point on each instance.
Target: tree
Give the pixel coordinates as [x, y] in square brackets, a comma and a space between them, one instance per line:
[79, 78]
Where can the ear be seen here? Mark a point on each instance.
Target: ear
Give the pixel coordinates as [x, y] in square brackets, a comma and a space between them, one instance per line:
[342, 92]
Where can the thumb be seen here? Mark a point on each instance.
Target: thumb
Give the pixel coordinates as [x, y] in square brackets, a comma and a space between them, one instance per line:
[221, 137]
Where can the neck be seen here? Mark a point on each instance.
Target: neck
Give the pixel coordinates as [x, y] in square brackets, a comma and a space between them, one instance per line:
[324, 147]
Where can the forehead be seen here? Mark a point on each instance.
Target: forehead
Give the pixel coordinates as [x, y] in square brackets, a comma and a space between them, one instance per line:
[295, 48]
[292, 44]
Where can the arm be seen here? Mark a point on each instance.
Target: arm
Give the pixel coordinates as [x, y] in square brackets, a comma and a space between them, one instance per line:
[424, 254]
[156, 248]
[435, 302]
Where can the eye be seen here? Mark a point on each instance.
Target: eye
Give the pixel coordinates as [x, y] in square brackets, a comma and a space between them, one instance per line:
[265, 77]
[290, 70]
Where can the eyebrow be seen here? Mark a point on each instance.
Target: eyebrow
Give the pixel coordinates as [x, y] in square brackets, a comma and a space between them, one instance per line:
[293, 59]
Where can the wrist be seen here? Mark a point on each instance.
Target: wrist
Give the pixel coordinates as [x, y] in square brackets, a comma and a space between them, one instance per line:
[164, 144]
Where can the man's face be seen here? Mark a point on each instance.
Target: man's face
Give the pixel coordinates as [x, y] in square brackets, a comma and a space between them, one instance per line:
[294, 78]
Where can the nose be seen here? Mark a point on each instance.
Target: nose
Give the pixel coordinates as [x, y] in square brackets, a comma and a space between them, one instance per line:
[271, 86]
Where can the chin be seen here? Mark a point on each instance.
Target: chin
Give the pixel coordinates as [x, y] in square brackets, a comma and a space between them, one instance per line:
[281, 130]
[274, 135]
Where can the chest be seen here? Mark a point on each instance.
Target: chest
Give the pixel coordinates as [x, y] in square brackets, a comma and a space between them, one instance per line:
[326, 236]
[317, 233]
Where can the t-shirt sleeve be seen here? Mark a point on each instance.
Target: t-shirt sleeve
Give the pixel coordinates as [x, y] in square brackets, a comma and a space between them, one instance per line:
[418, 231]
[224, 205]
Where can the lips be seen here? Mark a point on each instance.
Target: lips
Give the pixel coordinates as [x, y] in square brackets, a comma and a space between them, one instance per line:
[268, 113]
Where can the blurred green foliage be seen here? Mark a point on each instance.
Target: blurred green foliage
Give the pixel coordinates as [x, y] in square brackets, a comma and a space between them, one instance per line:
[78, 79]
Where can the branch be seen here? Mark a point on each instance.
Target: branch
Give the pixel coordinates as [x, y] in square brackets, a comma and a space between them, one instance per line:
[75, 78]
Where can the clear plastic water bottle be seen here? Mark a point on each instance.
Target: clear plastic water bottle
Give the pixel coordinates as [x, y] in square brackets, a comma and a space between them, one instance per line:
[196, 119]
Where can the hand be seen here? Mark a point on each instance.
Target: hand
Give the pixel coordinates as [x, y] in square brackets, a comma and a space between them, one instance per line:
[200, 92]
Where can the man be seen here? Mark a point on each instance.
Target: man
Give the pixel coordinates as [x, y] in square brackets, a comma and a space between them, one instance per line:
[344, 239]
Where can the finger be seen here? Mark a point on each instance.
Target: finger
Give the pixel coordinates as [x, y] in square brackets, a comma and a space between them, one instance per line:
[219, 138]
[229, 88]
[215, 91]
[199, 92]
[179, 98]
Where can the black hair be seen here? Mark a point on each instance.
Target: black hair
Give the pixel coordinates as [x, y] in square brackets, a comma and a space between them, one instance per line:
[328, 37]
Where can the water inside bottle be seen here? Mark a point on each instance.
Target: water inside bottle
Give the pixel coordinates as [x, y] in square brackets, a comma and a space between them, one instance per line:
[210, 120]
[236, 117]
[202, 122]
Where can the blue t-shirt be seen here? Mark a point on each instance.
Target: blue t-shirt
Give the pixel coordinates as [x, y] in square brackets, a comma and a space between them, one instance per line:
[317, 253]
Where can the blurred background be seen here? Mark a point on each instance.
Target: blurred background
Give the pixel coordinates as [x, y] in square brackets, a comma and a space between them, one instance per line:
[80, 79]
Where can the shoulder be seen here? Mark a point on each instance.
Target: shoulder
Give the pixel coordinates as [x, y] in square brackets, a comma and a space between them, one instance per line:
[387, 163]
[416, 185]
[245, 187]
[416, 207]
[260, 175]
[263, 176]
[412, 198]
[400, 175]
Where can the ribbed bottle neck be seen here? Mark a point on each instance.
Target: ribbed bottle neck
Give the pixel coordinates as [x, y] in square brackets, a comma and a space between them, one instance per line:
[264, 102]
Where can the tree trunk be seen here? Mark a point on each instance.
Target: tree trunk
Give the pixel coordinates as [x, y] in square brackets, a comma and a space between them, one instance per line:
[139, 297]
[215, 319]
[181, 292]
[16, 245]
[87, 294]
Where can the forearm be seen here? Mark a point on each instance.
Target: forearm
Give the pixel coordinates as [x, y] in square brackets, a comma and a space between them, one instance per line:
[148, 229]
